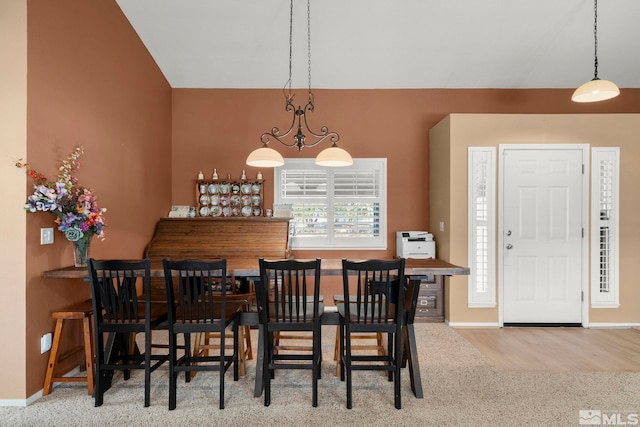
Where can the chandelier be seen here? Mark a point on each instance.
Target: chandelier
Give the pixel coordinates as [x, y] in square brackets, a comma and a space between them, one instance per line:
[596, 89]
[268, 157]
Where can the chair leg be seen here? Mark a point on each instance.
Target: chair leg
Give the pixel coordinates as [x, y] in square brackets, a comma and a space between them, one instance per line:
[173, 375]
[341, 356]
[147, 369]
[237, 331]
[336, 351]
[347, 369]
[397, 365]
[98, 389]
[316, 371]
[266, 372]
[319, 342]
[221, 367]
[187, 354]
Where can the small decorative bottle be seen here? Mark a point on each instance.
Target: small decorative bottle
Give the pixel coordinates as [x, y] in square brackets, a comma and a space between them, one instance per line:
[215, 174]
[244, 176]
[200, 175]
[259, 176]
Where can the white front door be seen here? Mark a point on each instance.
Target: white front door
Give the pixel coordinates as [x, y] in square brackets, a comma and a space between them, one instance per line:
[542, 235]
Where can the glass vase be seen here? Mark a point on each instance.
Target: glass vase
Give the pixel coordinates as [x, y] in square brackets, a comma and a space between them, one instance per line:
[81, 251]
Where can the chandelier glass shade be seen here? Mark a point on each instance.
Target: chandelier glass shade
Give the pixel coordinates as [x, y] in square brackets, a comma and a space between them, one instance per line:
[596, 89]
[265, 157]
[302, 134]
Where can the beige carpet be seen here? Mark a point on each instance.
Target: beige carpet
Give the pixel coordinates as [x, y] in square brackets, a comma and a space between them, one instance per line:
[462, 388]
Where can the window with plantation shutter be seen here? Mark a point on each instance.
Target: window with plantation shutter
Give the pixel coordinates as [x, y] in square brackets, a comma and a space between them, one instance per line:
[605, 188]
[334, 208]
[482, 226]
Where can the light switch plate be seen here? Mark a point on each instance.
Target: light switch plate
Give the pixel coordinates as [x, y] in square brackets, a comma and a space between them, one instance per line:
[46, 236]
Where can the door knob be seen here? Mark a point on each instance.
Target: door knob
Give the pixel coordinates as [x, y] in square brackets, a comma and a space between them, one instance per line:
[508, 232]
[509, 246]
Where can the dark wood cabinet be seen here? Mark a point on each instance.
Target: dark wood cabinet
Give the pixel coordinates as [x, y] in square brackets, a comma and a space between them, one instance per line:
[430, 304]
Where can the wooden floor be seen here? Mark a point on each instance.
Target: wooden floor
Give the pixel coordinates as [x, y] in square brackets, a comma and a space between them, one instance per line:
[558, 349]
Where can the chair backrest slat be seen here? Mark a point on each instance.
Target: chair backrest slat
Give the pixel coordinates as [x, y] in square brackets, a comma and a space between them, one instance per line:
[116, 287]
[197, 288]
[284, 290]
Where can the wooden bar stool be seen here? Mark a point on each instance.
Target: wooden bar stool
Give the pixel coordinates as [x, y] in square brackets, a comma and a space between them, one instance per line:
[82, 311]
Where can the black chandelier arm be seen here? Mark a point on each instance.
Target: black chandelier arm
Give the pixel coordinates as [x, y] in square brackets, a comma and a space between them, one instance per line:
[299, 114]
[275, 131]
[324, 131]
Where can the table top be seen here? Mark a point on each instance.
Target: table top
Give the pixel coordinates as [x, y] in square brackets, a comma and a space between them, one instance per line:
[249, 268]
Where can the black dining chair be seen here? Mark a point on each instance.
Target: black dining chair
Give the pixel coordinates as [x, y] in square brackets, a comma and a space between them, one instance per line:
[374, 295]
[122, 309]
[288, 297]
[197, 303]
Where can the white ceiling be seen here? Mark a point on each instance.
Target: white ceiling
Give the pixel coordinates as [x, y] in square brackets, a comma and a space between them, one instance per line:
[362, 44]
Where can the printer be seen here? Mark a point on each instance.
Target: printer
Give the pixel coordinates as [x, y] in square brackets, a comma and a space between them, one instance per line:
[415, 244]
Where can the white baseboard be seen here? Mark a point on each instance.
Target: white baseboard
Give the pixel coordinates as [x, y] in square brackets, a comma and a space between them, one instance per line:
[594, 325]
[472, 324]
[22, 402]
[497, 325]
[35, 396]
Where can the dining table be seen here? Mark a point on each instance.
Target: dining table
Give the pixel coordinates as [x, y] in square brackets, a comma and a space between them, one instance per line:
[416, 270]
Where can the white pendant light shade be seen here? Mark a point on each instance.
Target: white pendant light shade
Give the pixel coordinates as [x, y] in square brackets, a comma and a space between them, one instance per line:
[334, 156]
[265, 157]
[595, 90]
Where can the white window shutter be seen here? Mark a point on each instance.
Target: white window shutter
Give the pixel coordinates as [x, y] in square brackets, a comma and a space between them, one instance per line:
[605, 191]
[482, 226]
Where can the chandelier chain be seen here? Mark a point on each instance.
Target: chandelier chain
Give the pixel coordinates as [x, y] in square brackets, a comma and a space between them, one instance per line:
[288, 84]
[309, 47]
[299, 117]
[595, 37]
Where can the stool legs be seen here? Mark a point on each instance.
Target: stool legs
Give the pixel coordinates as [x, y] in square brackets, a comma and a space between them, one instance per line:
[55, 356]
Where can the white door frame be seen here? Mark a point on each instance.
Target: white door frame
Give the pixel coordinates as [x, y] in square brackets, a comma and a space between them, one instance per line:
[585, 221]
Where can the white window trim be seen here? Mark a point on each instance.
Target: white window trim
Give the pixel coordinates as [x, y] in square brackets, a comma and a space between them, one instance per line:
[601, 298]
[378, 243]
[478, 174]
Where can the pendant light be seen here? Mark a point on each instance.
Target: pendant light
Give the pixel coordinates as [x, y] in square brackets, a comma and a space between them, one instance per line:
[268, 157]
[596, 89]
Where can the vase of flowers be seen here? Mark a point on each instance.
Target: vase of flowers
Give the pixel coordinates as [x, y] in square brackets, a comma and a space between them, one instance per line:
[81, 250]
[74, 207]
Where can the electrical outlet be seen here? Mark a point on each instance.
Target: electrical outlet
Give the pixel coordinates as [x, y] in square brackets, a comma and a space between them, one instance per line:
[45, 343]
[46, 236]
[441, 225]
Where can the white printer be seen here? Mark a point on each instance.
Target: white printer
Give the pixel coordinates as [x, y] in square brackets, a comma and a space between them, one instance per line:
[415, 244]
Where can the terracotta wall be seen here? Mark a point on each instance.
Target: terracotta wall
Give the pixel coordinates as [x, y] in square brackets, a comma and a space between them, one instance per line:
[92, 82]
[218, 128]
